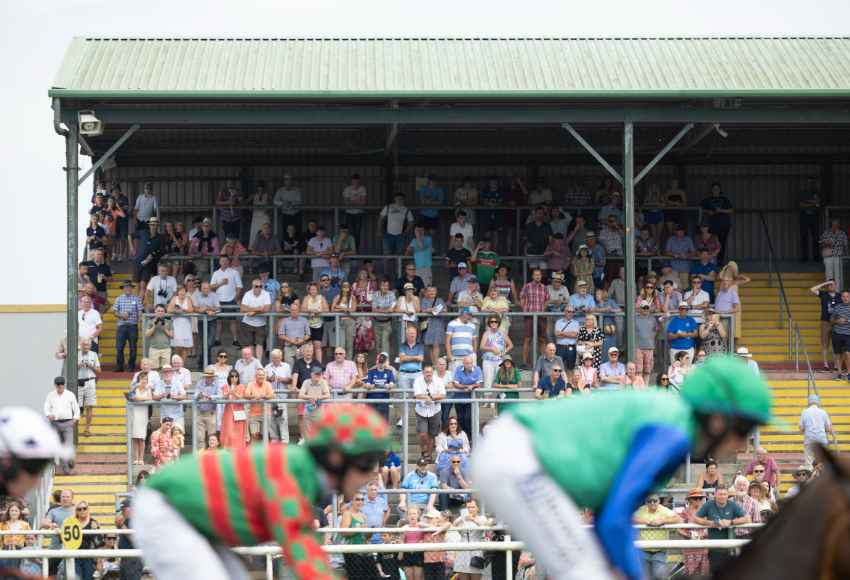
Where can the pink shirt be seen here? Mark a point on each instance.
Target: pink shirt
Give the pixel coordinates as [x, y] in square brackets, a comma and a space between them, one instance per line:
[340, 376]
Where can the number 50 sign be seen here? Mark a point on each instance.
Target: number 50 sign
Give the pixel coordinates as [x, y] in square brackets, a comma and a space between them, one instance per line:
[72, 534]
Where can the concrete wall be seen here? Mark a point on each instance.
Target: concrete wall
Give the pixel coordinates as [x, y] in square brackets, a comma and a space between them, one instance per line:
[28, 341]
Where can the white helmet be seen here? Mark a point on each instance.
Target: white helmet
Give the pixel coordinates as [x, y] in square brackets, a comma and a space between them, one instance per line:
[26, 434]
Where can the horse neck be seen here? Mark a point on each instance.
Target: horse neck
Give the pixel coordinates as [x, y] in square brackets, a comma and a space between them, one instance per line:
[801, 523]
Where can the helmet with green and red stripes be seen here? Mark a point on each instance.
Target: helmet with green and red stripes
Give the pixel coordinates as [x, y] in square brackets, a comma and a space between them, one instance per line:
[353, 429]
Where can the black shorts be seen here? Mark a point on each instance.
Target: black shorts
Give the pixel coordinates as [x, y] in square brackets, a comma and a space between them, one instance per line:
[316, 334]
[840, 343]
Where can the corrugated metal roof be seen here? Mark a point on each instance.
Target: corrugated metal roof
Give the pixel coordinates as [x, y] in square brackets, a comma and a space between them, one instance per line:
[454, 67]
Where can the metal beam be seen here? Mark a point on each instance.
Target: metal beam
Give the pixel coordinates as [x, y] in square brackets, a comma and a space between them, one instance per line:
[596, 155]
[85, 146]
[663, 152]
[72, 171]
[629, 210]
[391, 140]
[448, 114]
[109, 152]
[695, 139]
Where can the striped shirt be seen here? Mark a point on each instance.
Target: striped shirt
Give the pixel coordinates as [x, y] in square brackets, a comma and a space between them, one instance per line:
[130, 305]
[463, 335]
[841, 310]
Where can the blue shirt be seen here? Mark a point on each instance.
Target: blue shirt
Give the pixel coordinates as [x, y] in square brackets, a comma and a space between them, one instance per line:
[582, 304]
[698, 268]
[422, 257]
[468, 378]
[416, 350]
[130, 305]
[392, 460]
[213, 391]
[272, 286]
[679, 246]
[678, 324]
[415, 481]
[463, 335]
[597, 252]
[379, 379]
[337, 276]
[551, 389]
[433, 196]
[374, 510]
[174, 410]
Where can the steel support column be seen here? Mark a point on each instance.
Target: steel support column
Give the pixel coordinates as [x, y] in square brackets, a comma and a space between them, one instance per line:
[109, 153]
[72, 172]
[629, 210]
[649, 166]
[596, 155]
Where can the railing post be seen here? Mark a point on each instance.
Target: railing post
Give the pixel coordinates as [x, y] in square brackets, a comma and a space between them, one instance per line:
[269, 567]
[127, 427]
[265, 422]
[269, 335]
[336, 333]
[509, 559]
[688, 468]
[476, 418]
[534, 337]
[274, 267]
[45, 567]
[205, 335]
[405, 438]
[194, 426]
[70, 569]
[144, 320]
[398, 268]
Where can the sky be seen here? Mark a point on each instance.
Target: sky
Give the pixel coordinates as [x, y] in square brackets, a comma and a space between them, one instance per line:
[36, 33]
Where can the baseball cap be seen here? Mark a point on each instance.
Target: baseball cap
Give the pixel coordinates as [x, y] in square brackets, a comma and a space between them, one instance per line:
[59, 381]
[462, 265]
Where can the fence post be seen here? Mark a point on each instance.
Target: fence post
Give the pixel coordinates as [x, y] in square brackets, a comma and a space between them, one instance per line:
[127, 427]
[265, 422]
[205, 336]
[269, 567]
[534, 337]
[398, 268]
[405, 439]
[476, 419]
[70, 569]
[509, 559]
[336, 335]
[144, 320]
[194, 426]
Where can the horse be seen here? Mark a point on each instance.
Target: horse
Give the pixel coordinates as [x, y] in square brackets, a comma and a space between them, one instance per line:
[809, 539]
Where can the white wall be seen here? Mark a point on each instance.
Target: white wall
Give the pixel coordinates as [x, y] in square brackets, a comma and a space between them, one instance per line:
[27, 344]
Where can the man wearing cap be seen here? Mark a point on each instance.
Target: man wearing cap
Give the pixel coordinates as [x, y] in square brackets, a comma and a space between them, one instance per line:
[334, 270]
[682, 332]
[419, 479]
[566, 331]
[612, 374]
[744, 353]
[654, 515]
[646, 330]
[208, 388]
[379, 382]
[801, 477]
[128, 308]
[815, 425]
[581, 301]
[428, 390]
[680, 248]
[62, 410]
[695, 560]
[460, 282]
[170, 388]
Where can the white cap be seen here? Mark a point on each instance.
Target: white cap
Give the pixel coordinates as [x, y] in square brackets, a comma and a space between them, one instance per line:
[744, 352]
[27, 434]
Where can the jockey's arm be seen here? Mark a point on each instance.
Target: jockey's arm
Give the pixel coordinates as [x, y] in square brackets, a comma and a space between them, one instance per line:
[655, 453]
[301, 547]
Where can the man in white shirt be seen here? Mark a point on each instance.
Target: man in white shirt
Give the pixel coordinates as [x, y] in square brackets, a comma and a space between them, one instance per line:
[254, 304]
[247, 366]
[161, 287]
[180, 371]
[205, 301]
[170, 388]
[697, 299]
[395, 220]
[62, 410]
[279, 374]
[612, 374]
[428, 390]
[464, 228]
[319, 247]
[89, 322]
[226, 283]
[353, 196]
[88, 365]
[288, 199]
[744, 353]
[816, 427]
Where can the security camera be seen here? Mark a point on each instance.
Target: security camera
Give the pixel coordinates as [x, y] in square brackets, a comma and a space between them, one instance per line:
[90, 126]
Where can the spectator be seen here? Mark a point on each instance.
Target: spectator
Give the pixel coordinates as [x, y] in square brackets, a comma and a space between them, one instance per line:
[612, 208]
[632, 379]
[422, 249]
[675, 197]
[279, 374]
[227, 284]
[461, 340]
[344, 303]
[679, 368]
[597, 255]
[582, 301]
[105, 567]
[553, 385]
[467, 196]
[494, 345]
[410, 277]
[88, 367]
[418, 480]
[465, 381]
[151, 247]
[259, 389]
[363, 289]
[146, 207]
[712, 334]
[670, 298]
[234, 419]
[376, 509]
[205, 241]
[434, 327]
[99, 272]
[247, 366]
[205, 301]
[314, 305]
[62, 410]
[833, 243]
[497, 304]
[139, 420]
[735, 279]
[504, 284]
[577, 235]
[383, 302]
[334, 270]
[695, 560]
[463, 227]
[289, 199]
[460, 282]
[264, 242]
[801, 477]
[85, 566]
[613, 372]
[700, 357]
[809, 204]
[293, 332]
[170, 388]
[557, 255]
[536, 238]
[207, 388]
[612, 326]
[319, 248]
[533, 298]
[180, 371]
[719, 210]
[815, 425]
[233, 248]
[128, 309]
[341, 374]
[744, 353]
[508, 377]
[457, 254]
[292, 245]
[391, 470]
[470, 522]
[566, 334]
[14, 522]
[470, 297]
[826, 293]
[646, 329]
[428, 390]
[589, 340]
[395, 221]
[711, 478]
[759, 477]
[557, 297]
[99, 303]
[649, 294]
[697, 300]
[654, 515]
[611, 237]
[228, 200]
[708, 248]
[646, 243]
[430, 194]
[54, 519]
[379, 381]
[718, 515]
[680, 248]
[455, 476]
[181, 325]
[162, 443]
[89, 322]
[617, 288]
[485, 259]
[681, 332]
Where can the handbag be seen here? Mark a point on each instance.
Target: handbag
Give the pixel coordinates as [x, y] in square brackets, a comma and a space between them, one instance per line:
[478, 562]
[240, 415]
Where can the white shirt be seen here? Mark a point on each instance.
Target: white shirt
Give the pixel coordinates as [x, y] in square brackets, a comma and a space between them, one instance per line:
[63, 407]
[88, 372]
[434, 388]
[184, 374]
[226, 292]
[354, 196]
[466, 231]
[700, 299]
[319, 247]
[87, 323]
[396, 216]
[253, 302]
[247, 371]
[288, 199]
[163, 289]
[276, 372]
[153, 379]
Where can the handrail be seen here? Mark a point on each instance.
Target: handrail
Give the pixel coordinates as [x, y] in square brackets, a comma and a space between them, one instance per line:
[795, 339]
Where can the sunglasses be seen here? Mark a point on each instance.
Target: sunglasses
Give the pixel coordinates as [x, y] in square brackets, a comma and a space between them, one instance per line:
[339, 353]
[663, 379]
[758, 470]
[652, 501]
[455, 462]
[82, 508]
[257, 287]
[493, 322]
[556, 371]
[222, 356]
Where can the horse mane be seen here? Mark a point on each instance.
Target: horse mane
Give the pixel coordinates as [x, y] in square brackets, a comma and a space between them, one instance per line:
[790, 544]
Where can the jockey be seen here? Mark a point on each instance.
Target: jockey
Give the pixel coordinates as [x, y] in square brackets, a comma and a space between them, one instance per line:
[188, 514]
[606, 451]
